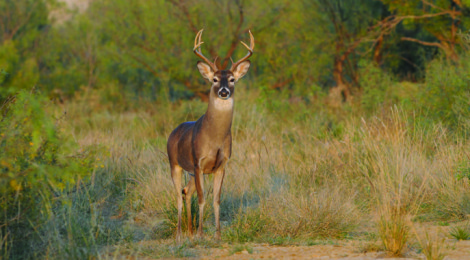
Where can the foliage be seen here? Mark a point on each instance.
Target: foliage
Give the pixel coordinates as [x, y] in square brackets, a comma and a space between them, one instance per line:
[24, 22]
[36, 166]
[445, 90]
[301, 47]
[301, 168]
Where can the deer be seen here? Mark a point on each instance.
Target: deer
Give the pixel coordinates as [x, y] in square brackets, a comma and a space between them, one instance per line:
[204, 146]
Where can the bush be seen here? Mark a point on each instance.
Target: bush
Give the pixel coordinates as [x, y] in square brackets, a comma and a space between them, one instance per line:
[446, 89]
[36, 164]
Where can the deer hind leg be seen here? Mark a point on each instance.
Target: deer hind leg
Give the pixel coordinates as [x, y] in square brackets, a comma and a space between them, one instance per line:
[188, 192]
[218, 180]
[176, 172]
[199, 179]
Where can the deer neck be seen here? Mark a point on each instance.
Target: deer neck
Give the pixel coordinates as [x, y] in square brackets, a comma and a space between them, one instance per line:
[218, 118]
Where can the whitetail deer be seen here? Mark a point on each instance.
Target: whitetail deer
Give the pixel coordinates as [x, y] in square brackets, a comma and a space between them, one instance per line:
[204, 146]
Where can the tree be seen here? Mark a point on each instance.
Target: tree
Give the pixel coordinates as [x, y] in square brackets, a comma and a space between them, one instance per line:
[441, 19]
[153, 40]
[22, 24]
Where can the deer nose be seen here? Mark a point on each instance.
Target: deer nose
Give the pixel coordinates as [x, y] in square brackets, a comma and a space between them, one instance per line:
[224, 93]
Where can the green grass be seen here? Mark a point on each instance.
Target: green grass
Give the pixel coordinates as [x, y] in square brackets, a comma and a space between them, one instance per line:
[460, 233]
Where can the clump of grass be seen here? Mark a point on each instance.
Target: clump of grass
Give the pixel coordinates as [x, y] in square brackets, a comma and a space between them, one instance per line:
[247, 226]
[394, 232]
[324, 212]
[241, 248]
[329, 212]
[460, 233]
[431, 246]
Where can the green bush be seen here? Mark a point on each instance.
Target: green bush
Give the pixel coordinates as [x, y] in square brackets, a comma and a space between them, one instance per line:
[37, 163]
[446, 90]
[24, 23]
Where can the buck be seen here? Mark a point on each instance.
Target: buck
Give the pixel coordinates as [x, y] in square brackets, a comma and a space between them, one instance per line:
[204, 146]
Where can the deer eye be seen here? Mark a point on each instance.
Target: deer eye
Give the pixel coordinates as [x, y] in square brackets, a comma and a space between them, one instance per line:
[232, 80]
[215, 80]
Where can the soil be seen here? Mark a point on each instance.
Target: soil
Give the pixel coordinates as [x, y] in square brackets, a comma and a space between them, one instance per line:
[361, 247]
[452, 249]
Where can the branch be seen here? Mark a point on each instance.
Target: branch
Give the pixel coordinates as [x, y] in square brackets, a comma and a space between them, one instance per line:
[20, 25]
[281, 84]
[432, 5]
[269, 24]
[435, 44]
[181, 5]
[234, 43]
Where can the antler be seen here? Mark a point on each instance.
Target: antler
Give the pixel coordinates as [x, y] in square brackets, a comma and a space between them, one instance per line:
[250, 52]
[197, 44]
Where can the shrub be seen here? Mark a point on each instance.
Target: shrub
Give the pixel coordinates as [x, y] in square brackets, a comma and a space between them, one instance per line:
[446, 88]
[36, 164]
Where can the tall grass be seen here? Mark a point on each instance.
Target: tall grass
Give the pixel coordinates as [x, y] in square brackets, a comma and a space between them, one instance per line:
[297, 174]
[293, 174]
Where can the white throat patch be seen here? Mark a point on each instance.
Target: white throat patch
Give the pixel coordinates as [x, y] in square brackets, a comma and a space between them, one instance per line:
[223, 105]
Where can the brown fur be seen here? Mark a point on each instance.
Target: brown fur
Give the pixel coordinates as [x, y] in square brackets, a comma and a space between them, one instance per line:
[204, 146]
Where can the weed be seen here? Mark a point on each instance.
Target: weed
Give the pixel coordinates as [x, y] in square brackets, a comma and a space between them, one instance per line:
[460, 233]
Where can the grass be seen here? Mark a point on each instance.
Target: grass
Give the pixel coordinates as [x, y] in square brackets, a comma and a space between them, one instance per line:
[432, 246]
[291, 179]
[460, 233]
[241, 248]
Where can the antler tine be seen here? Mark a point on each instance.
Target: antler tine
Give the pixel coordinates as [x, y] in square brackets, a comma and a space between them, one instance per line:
[196, 39]
[197, 45]
[250, 51]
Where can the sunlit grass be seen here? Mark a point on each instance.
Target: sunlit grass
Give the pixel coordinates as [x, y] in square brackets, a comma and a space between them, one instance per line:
[301, 177]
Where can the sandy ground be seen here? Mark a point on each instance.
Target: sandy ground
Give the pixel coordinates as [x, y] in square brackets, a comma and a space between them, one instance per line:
[362, 245]
[453, 250]
[354, 250]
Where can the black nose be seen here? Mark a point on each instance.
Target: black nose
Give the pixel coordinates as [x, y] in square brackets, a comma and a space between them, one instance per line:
[223, 93]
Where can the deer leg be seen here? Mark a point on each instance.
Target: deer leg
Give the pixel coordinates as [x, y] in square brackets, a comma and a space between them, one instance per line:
[176, 173]
[199, 179]
[188, 191]
[218, 180]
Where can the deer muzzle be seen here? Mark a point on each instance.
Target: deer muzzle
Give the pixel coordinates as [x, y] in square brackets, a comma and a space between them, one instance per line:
[224, 93]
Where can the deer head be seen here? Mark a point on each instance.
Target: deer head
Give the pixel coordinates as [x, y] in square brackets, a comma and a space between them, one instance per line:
[223, 81]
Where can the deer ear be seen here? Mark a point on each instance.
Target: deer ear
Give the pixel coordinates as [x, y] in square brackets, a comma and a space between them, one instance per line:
[241, 69]
[205, 70]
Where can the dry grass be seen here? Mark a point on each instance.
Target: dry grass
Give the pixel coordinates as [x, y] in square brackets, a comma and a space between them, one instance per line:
[290, 176]
[432, 245]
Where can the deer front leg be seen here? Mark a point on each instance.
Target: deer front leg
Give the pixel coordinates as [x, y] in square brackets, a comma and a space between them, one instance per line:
[176, 172]
[199, 178]
[218, 180]
[188, 191]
